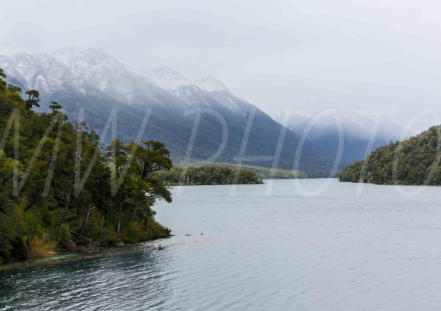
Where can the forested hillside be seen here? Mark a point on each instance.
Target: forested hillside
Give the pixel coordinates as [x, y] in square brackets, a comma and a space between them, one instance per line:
[412, 162]
[62, 190]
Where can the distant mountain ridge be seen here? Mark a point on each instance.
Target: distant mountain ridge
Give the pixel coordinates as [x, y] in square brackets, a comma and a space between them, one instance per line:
[359, 138]
[98, 83]
[169, 79]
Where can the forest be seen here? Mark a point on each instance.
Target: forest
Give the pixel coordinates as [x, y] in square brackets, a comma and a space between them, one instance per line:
[207, 175]
[273, 173]
[62, 189]
[414, 161]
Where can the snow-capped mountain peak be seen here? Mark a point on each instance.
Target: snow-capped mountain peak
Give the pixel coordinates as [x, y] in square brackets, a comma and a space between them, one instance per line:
[170, 79]
[77, 69]
[164, 77]
[210, 84]
[94, 72]
[34, 70]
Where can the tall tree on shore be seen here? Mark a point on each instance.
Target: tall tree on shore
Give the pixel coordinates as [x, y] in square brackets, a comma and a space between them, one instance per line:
[54, 106]
[48, 159]
[33, 99]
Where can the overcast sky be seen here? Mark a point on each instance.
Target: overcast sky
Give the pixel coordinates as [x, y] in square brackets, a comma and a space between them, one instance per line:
[306, 56]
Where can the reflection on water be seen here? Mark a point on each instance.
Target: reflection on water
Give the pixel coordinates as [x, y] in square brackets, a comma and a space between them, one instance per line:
[344, 249]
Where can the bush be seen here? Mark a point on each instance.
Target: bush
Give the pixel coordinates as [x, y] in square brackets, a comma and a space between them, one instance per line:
[138, 232]
[63, 236]
[108, 236]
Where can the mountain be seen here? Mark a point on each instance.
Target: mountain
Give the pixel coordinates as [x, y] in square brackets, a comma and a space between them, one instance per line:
[356, 135]
[414, 161]
[95, 82]
[169, 79]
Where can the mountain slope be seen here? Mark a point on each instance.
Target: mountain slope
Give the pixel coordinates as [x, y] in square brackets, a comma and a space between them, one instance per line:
[94, 81]
[414, 161]
[356, 136]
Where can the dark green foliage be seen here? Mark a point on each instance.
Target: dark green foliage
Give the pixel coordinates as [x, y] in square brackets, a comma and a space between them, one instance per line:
[33, 99]
[208, 175]
[54, 106]
[64, 235]
[412, 162]
[269, 173]
[64, 191]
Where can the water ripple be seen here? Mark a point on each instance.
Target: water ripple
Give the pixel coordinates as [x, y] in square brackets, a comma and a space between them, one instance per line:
[281, 252]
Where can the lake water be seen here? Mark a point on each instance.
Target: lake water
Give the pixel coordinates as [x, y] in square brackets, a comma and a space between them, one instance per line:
[249, 247]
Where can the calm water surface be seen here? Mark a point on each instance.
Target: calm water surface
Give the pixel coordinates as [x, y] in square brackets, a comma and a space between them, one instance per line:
[249, 248]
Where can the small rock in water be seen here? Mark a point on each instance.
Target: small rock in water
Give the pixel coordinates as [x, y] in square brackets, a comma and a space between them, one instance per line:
[188, 235]
[202, 233]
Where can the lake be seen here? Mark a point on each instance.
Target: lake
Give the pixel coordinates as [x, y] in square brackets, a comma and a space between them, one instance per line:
[310, 244]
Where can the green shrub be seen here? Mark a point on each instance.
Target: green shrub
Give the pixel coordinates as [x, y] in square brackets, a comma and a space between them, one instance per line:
[137, 231]
[63, 236]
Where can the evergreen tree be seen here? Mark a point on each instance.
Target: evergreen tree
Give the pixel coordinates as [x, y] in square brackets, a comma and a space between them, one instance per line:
[414, 161]
[56, 187]
[54, 106]
[33, 99]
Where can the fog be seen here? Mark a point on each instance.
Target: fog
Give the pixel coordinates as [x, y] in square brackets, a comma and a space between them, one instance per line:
[354, 57]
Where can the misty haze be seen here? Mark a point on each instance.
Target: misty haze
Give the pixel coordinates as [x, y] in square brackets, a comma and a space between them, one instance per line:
[220, 155]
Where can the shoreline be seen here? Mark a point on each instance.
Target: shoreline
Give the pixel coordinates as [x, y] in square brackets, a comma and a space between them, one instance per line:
[186, 184]
[64, 257]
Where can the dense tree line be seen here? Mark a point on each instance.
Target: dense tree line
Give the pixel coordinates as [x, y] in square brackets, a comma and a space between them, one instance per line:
[411, 162]
[208, 175]
[270, 173]
[58, 182]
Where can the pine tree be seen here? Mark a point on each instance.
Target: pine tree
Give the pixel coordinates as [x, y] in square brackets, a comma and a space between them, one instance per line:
[54, 106]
